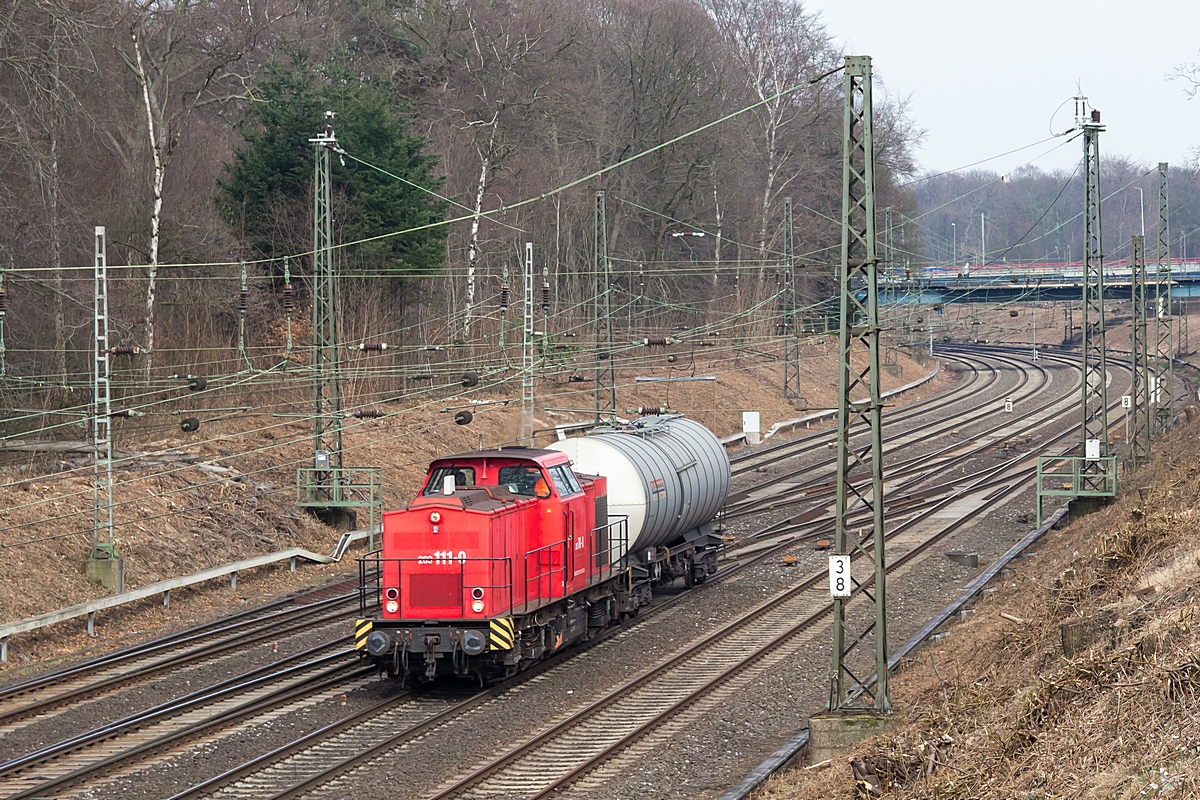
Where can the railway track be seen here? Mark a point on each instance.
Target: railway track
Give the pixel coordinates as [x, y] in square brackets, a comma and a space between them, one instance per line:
[124, 668]
[266, 777]
[320, 757]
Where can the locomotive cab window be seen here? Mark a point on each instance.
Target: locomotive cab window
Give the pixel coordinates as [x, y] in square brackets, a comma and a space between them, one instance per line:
[523, 480]
[464, 478]
[564, 480]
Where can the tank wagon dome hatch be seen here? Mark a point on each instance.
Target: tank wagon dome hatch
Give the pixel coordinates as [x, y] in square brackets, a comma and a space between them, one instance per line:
[667, 474]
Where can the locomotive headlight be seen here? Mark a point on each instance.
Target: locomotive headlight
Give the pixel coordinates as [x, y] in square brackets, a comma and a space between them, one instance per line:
[391, 593]
[473, 642]
[435, 517]
[391, 606]
[477, 593]
[477, 606]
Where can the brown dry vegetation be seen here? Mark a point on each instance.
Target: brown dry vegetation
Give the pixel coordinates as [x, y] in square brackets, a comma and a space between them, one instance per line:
[173, 519]
[997, 711]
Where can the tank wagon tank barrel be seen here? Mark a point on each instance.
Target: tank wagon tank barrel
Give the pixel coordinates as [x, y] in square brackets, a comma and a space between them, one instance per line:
[667, 474]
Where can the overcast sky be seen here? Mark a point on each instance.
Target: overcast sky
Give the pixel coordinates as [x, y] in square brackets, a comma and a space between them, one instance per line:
[985, 78]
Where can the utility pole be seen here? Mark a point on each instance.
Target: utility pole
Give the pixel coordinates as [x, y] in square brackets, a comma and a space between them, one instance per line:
[3, 315]
[1094, 393]
[791, 314]
[889, 284]
[982, 240]
[1033, 314]
[1139, 437]
[104, 564]
[527, 353]
[325, 481]
[604, 374]
[1164, 355]
[859, 333]
[504, 290]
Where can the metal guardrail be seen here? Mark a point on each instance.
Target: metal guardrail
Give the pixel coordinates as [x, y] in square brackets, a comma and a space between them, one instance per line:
[164, 588]
[832, 412]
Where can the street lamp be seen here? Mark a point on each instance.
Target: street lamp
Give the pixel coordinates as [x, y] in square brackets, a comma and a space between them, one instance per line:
[954, 252]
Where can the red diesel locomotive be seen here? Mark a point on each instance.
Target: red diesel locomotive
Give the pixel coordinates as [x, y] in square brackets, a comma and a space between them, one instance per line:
[508, 555]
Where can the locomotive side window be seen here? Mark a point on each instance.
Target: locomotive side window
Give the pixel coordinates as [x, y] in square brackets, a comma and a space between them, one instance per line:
[564, 480]
[522, 480]
[464, 477]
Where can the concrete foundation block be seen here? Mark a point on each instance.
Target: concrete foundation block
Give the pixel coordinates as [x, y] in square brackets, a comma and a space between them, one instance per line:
[106, 570]
[340, 519]
[1094, 631]
[831, 734]
[1082, 506]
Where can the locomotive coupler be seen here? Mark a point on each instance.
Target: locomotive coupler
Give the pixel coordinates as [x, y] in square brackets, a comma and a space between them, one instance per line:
[431, 643]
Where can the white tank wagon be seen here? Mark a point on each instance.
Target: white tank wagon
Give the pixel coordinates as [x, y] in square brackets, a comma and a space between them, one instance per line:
[669, 477]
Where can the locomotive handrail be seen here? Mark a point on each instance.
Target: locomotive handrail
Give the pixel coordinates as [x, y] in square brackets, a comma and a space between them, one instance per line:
[548, 549]
[617, 545]
[375, 585]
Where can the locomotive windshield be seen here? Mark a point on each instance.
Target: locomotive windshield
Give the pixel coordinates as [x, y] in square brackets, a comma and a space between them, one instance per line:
[564, 480]
[464, 477]
[523, 480]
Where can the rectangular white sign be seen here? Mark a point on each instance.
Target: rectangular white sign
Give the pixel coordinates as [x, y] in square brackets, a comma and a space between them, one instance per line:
[1092, 450]
[839, 576]
[1008, 404]
[1126, 401]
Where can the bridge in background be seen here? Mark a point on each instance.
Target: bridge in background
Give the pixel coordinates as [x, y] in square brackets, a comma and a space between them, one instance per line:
[1042, 281]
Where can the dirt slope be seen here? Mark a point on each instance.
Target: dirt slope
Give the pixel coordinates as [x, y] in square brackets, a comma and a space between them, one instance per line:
[997, 710]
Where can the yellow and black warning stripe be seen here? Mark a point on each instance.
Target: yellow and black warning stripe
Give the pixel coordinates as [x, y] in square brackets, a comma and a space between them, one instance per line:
[361, 628]
[500, 634]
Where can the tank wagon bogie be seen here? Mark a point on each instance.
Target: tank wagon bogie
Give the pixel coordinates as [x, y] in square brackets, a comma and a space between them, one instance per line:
[506, 556]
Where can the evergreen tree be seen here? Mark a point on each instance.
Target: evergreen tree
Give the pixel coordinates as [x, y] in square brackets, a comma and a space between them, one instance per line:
[266, 193]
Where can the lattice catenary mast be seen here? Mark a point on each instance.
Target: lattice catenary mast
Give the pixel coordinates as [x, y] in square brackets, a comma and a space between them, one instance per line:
[104, 564]
[859, 334]
[1163, 391]
[325, 482]
[791, 313]
[1094, 393]
[604, 371]
[1139, 437]
[527, 359]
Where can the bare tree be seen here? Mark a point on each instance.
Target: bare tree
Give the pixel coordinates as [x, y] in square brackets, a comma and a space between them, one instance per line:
[46, 50]
[776, 46]
[184, 55]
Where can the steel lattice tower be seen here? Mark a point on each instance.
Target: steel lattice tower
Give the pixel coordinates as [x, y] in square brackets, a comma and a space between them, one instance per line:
[605, 374]
[1094, 394]
[1139, 437]
[527, 353]
[791, 313]
[859, 335]
[102, 543]
[326, 483]
[1163, 391]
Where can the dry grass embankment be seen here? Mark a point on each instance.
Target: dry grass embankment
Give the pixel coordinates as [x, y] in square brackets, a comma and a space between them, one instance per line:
[997, 710]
